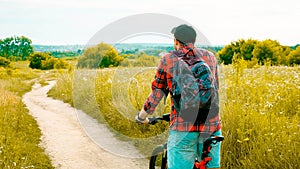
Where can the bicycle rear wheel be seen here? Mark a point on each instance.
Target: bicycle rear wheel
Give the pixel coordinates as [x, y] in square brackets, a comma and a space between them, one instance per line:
[158, 158]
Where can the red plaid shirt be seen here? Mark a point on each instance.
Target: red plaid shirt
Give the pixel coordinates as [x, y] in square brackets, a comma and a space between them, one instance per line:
[162, 84]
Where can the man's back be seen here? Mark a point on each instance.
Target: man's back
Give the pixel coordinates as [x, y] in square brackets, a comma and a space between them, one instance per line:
[164, 79]
[184, 142]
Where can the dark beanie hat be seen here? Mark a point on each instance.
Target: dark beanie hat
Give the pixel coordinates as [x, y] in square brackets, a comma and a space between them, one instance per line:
[184, 33]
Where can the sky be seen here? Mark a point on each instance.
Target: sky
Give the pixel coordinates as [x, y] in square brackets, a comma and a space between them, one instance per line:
[69, 22]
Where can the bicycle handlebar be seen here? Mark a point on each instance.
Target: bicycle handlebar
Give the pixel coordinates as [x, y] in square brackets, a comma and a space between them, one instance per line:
[154, 120]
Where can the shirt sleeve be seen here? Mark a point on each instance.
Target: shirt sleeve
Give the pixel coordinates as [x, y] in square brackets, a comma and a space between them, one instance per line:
[159, 88]
[217, 76]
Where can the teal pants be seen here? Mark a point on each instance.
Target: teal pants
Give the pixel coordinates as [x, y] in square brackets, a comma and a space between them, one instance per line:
[184, 147]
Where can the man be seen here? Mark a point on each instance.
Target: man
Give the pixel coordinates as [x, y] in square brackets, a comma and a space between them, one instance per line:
[186, 136]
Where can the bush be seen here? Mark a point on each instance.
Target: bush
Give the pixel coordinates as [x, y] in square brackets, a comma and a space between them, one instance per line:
[295, 56]
[48, 63]
[146, 61]
[4, 62]
[45, 61]
[101, 55]
[36, 59]
[61, 64]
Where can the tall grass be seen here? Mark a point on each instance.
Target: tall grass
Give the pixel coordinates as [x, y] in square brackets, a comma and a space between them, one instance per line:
[91, 91]
[20, 135]
[261, 117]
[260, 110]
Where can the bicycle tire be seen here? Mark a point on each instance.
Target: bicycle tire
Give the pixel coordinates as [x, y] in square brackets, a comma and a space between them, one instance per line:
[158, 158]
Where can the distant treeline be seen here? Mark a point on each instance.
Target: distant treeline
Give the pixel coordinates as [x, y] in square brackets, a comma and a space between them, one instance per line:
[261, 52]
[146, 54]
[17, 48]
[150, 49]
[60, 51]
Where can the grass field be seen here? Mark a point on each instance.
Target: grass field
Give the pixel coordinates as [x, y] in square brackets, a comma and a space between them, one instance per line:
[20, 135]
[259, 107]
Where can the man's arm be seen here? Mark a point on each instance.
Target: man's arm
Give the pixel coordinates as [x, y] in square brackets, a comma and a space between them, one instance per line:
[217, 76]
[159, 87]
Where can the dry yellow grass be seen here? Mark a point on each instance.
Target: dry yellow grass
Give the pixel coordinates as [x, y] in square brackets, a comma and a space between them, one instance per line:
[20, 135]
[260, 110]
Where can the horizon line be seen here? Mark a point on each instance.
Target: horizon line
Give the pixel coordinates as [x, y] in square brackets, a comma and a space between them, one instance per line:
[115, 44]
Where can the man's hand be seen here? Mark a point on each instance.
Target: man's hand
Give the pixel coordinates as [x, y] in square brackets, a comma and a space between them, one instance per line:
[141, 117]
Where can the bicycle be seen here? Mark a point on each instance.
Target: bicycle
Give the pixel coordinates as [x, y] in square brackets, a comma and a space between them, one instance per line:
[158, 158]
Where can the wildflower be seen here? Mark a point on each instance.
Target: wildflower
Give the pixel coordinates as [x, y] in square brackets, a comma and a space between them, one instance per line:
[246, 139]
[268, 104]
[133, 79]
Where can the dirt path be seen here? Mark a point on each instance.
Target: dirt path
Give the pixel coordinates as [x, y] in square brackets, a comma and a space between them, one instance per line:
[65, 141]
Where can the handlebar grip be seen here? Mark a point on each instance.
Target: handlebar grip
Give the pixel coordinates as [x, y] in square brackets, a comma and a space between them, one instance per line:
[166, 117]
[152, 120]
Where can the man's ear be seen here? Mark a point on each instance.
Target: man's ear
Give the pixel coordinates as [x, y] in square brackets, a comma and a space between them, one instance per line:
[176, 42]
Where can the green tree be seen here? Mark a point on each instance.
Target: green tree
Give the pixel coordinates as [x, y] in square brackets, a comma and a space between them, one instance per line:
[241, 49]
[269, 50]
[254, 50]
[101, 55]
[246, 48]
[284, 57]
[16, 48]
[226, 54]
[294, 47]
[111, 58]
[295, 56]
